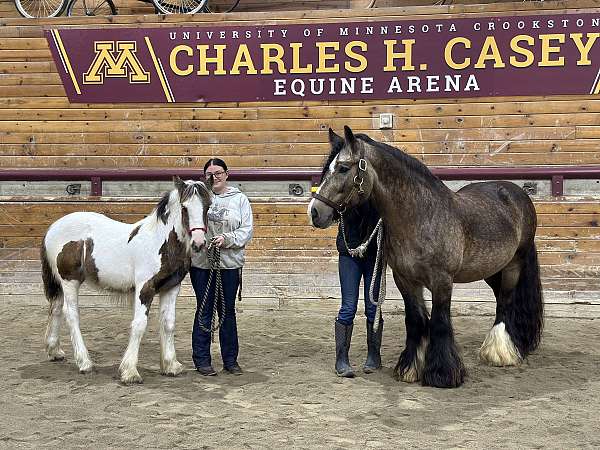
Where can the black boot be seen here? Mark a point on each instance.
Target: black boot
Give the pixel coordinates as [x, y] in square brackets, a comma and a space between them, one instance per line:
[343, 336]
[373, 361]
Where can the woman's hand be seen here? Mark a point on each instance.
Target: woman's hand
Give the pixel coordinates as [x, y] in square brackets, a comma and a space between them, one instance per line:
[218, 240]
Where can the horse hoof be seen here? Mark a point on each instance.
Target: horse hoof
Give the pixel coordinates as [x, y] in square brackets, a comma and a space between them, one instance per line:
[137, 379]
[498, 349]
[497, 359]
[86, 367]
[450, 379]
[57, 355]
[131, 376]
[173, 370]
[410, 375]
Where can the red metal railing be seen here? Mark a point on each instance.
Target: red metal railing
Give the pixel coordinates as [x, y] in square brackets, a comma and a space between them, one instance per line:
[557, 174]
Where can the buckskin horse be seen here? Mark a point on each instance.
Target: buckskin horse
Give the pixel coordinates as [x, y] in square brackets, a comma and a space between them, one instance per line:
[435, 237]
[149, 257]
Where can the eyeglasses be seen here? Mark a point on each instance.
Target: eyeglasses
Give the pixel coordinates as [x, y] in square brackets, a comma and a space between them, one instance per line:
[218, 174]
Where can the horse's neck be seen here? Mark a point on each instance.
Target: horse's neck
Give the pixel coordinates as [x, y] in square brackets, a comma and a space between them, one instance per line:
[399, 192]
[153, 224]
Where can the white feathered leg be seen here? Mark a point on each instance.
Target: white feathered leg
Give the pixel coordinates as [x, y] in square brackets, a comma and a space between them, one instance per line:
[71, 311]
[52, 338]
[128, 367]
[168, 359]
[498, 348]
[413, 373]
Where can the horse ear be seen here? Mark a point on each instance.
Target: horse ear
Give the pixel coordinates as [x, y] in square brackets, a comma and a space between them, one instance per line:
[349, 135]
[179, 183]
[334, 139]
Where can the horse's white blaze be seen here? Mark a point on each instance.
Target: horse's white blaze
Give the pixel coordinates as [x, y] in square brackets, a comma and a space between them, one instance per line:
[309, 211]
[310, 207]
[312, 201]
[333, 163]
[196, 220]
[498, 348]
[413, 373]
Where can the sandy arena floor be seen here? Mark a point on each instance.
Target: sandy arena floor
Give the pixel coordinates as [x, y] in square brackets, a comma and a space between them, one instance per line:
[289, 396]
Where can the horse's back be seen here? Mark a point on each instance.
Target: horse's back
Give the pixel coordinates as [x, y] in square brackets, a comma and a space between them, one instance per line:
[497, 198]
[82, 225]
[501, 190]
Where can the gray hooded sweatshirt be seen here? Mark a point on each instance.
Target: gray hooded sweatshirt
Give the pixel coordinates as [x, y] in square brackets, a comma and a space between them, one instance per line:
[230, 215]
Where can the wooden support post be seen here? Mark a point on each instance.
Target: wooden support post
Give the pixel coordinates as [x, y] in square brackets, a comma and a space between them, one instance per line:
[97, 186]
[557, 185]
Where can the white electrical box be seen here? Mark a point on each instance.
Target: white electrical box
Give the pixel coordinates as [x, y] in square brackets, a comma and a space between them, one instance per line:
[386, 121]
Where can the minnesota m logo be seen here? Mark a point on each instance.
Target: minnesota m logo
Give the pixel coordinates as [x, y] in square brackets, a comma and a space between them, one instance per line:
[115, 62]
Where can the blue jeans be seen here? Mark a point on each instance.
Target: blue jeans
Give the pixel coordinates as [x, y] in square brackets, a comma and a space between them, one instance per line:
[351, 271]
[228, 335]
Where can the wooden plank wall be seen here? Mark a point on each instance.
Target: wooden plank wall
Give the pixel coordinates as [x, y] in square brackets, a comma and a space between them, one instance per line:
[289, 262]
[132, 7]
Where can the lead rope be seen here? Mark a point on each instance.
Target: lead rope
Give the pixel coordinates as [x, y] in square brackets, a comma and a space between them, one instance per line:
[214, 258]
[379, 261]
[362, 248]
[239, 294]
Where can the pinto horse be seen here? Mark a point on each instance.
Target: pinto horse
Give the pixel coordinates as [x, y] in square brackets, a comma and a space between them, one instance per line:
[435, 237]
[149, 257]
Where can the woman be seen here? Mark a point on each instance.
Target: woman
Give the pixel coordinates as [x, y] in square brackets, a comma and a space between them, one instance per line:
[358, 225]
[230, 229]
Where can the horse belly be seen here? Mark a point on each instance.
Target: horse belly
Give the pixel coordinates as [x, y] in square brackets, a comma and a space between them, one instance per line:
[485, 263]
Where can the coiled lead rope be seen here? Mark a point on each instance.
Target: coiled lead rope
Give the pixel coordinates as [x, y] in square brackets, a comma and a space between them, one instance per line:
[214, 257]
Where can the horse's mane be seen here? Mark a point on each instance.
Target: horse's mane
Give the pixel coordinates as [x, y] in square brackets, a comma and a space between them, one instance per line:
[162, 210]
[196, 189]
[167, 205]
[409, 162]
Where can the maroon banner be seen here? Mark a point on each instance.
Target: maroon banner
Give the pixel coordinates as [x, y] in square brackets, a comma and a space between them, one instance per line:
[435, 58]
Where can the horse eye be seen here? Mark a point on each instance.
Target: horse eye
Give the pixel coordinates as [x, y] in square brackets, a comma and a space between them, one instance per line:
[344, 169]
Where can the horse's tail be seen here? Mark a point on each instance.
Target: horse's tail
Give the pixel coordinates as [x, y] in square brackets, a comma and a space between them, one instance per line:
[52, 287]
[525, 315]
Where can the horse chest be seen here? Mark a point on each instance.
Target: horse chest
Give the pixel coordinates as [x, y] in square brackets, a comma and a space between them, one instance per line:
[406, 259]
[174, 264]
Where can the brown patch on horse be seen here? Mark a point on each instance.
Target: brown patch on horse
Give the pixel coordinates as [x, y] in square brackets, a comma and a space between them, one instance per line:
[89, 265]
[174, 266]
[185, 219]
[133, 233]
[69, 261]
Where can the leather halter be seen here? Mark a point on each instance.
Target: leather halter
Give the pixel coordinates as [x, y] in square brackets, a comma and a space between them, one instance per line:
[197, 228]
[357, 183]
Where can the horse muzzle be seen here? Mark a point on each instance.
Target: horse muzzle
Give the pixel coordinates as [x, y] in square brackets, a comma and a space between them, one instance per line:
[321, 215]
[198, 240]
